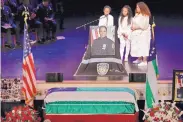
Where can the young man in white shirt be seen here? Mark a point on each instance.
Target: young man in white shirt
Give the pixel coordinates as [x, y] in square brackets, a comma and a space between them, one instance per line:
[106, 19]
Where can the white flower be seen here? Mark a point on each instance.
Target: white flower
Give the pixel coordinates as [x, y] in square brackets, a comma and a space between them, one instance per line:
[19, 112]
[168, 103]
[167, 115]
[173, 105]
[13, 111]
[47, 120]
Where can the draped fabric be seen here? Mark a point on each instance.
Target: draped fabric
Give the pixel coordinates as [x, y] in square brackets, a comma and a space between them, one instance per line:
[88, 65]
[91, 100]
[90, 107]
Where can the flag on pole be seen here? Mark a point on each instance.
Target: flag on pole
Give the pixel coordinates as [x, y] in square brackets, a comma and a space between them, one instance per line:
[29, 74]
[94, 34]
[151, 80]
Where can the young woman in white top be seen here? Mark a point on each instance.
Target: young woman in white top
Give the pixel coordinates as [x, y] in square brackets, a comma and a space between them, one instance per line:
[141, 34]
[124, 30]
[106, 19]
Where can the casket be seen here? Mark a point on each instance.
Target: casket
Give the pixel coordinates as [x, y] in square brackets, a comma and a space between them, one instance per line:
[91, 105]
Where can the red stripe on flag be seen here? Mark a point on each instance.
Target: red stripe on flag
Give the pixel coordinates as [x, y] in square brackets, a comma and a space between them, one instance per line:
[27, 86]
[29, 69]
[24, 92]
[32, 63]
[26, 67]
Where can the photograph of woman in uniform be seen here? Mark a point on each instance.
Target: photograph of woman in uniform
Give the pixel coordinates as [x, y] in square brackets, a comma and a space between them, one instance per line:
[103, 45]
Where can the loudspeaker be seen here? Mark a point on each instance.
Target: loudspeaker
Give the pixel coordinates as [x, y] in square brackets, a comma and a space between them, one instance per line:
[54, 77]
[137, 77]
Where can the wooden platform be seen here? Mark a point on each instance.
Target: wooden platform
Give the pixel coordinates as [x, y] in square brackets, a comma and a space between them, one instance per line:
[164, 87]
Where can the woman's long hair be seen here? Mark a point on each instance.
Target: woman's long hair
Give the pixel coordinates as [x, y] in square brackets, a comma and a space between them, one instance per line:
[144, 9]
[130, 14]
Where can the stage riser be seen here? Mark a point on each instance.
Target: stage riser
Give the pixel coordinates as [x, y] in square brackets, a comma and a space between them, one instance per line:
[164, 88]
[93, 118]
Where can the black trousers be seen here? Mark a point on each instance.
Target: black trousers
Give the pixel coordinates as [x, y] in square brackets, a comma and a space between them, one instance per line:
[61, 20]
[50, 25]
[33, 24]
[9, 32]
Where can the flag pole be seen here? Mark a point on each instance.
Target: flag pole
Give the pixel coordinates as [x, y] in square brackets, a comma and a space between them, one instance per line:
[25, 18]
[153, 26]
[26, 13]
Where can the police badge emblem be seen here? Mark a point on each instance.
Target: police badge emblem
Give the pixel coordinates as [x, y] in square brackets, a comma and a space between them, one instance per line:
[102, 68]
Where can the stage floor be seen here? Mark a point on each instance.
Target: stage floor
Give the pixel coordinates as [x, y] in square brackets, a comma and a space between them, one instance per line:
[65, 55]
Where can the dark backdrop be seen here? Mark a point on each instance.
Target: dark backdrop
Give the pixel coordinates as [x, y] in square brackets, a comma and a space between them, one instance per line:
[85, 7]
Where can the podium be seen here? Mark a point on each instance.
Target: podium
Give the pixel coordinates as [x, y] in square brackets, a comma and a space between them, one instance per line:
[102, 56]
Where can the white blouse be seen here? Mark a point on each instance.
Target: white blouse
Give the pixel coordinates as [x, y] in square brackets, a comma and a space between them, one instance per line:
[141, 22]
[123, 27]
[106, 20]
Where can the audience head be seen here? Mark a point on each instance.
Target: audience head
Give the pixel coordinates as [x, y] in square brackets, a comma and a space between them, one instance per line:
[45, 2]
[107, 10]
[103, 31]
[142, 8]
[126, 11]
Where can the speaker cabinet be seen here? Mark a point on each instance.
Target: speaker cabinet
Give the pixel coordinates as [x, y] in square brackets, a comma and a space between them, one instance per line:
[54, 77]
[137, 77]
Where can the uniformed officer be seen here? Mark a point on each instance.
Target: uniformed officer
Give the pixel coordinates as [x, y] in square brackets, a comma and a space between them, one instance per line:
[13, 6]
[103, 45]
[8, 25]
[32, 21]
[46, 16]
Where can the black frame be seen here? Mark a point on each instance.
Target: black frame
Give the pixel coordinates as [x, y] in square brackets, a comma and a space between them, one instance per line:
[103, 56]
[174, 89]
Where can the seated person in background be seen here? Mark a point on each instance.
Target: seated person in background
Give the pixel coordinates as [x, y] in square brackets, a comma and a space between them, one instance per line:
[103, 45]
[46, 16]
[8, 24]
[13, 6]
[32, 22]
[106, 19]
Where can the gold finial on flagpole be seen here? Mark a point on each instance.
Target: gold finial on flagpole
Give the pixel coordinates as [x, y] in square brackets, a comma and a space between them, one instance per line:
[26, 13]
[153, 26]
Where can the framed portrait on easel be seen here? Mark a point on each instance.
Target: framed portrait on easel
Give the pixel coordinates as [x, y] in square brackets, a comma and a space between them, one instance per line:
[102, 40]
[177, 86]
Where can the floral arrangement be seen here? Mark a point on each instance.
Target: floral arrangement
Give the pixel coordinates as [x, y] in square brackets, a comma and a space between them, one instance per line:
[21, 114]
[163, 112]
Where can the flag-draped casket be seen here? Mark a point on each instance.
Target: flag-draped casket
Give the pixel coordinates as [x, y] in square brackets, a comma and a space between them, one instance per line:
[86, 104]
[102, 53]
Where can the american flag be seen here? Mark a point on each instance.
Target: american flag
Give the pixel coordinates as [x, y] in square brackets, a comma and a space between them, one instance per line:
[29, 76]
[94, 34]
[180, 80]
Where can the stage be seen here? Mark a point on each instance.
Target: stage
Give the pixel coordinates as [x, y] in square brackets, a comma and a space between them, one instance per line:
[64, 56]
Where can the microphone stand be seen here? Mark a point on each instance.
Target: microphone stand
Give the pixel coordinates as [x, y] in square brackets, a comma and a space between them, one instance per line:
[84, 25]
